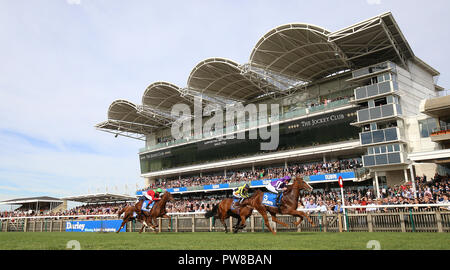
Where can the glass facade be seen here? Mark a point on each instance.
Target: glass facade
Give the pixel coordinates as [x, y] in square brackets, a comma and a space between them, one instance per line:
[379, 136]
[379, 105]
[383, 155]
[319, 130]
[427, 126]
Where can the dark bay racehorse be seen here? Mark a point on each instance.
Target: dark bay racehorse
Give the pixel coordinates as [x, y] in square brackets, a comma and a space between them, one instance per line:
[223, 211]
[288, 204]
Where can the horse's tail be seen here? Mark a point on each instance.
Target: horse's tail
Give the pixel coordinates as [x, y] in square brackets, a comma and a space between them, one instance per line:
[213, 212]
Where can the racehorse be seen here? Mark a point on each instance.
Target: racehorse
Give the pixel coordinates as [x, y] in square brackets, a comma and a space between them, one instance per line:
[288, 204]
[223, 211]
[158, 210]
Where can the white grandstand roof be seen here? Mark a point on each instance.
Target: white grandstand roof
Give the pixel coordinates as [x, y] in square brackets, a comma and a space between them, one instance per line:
[283, 61]
[43, 199]
[162, 96]
[100, 198]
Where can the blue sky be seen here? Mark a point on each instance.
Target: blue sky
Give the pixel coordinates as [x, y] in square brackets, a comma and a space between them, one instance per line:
[64, 61]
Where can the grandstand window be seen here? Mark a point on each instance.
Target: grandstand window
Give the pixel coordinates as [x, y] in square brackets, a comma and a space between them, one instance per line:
[381, 101]
[426, 127]
[390, 148]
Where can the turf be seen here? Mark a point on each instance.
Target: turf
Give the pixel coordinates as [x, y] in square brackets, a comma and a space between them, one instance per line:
[222, 241]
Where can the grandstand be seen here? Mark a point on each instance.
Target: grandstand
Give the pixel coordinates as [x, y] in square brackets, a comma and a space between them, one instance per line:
[356, 98]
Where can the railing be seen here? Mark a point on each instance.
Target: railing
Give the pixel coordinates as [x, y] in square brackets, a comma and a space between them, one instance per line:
[375, 90]
[253, 124]
[380, 136]
[436, 220]
[379, 112]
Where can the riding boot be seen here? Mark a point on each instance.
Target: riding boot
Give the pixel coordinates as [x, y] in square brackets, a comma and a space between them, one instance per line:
[278, 198]
[278, 202]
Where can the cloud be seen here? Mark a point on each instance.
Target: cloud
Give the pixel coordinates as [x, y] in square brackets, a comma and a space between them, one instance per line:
[73, 2]
[373, 2]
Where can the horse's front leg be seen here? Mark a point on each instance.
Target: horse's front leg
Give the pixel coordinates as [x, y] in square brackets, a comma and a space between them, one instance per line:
[224, 224]
[169, 227]
[121, 226]
[262, 210]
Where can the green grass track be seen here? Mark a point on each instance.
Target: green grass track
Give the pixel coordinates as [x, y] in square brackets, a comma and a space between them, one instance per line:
[222, 241]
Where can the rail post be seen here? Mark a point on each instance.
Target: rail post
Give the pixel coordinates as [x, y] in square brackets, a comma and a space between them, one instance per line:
[369, 222]
[402, 222]
[340, 222]
[320, 222]
[412, 220]
[193, 223]
[25, 222]
[176, 224]
[346, 223]
[439, 221]
[160, 224]
[325, 223]
[252, 223]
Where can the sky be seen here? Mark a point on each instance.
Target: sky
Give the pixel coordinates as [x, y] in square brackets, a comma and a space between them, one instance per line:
[63, 62]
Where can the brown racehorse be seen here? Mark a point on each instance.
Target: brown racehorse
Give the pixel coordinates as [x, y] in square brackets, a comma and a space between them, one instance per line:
[223, 211]
[158, 210]
[128, 212]
[288, 204]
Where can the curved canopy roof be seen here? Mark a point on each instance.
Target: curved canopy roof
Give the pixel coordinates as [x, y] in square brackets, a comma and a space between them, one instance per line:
[222, 77]
[126, 114]
[299, 51]
[162, 96]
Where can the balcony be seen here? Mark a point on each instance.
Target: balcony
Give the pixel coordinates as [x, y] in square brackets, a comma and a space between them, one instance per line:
[383, 159]
[441, 135]
[375, 90]
[383, 155]
[367, 72]
[379, 113]
[387, 135]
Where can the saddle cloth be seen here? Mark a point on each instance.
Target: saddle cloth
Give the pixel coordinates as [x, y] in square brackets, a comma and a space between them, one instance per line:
[235, 200]
[145, 203]
[269, 199]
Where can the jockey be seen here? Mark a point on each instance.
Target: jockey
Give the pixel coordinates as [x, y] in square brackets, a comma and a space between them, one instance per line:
[241, 193]
[151, 195]
[278, 186]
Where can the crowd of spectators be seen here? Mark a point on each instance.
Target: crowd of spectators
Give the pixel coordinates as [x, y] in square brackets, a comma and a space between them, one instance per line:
[434, 191]
[88, 209]
[259, 174]
[428, 192]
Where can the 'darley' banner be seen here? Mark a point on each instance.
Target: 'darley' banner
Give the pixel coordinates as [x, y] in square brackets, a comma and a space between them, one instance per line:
[94, 226]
